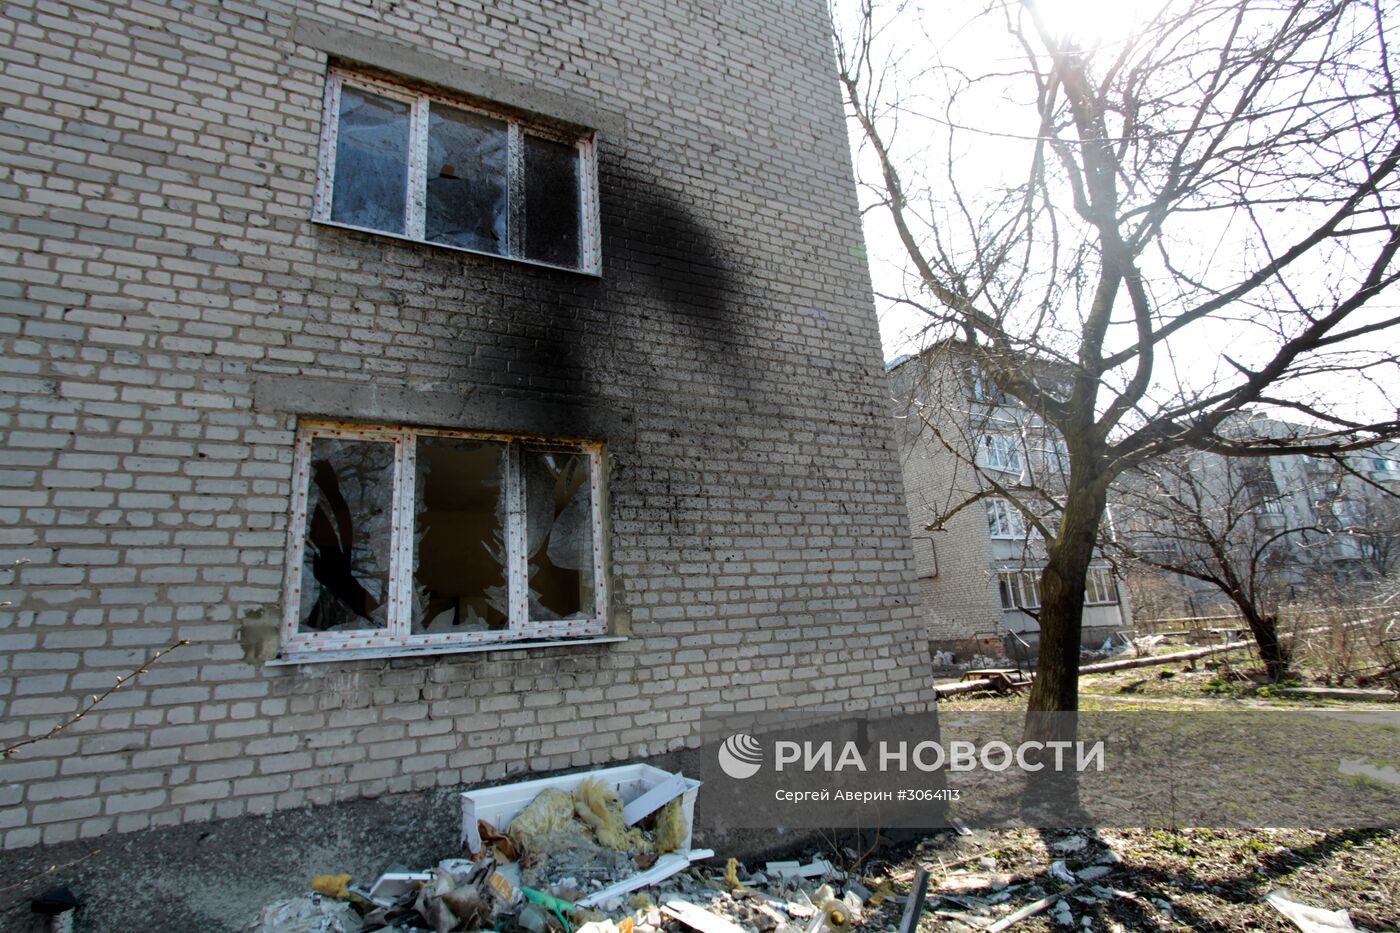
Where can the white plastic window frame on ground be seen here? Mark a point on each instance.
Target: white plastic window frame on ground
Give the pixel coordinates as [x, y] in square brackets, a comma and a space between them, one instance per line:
[397, 637]
[1001, 452]
[415, 212]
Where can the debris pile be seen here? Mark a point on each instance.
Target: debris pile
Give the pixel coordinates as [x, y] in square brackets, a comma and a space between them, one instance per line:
[571, 849]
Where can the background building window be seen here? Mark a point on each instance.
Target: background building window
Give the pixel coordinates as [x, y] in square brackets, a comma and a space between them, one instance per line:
[412, 539]
[1004, 520]
[409, 163]
[1100, 587]
[1000, 452]
[1019, 589]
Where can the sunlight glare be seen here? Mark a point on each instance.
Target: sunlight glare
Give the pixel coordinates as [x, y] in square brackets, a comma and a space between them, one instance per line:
[1092, 23]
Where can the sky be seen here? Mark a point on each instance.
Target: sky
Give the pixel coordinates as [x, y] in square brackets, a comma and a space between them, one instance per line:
[932, 48]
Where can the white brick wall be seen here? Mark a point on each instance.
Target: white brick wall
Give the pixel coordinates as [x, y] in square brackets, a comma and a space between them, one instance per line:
[160, 268]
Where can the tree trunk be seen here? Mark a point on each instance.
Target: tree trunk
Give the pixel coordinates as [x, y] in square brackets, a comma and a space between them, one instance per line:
[1056, 687]
[1264, 628]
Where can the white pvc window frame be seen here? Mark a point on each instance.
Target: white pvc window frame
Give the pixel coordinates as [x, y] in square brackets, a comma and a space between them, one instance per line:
[1100, 588]
[1019, 589]
[1004, 520]
[397, 637]
[1001, 452]
[415, 210]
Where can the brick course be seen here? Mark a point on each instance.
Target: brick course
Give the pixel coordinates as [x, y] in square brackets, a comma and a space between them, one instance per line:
[162, 276]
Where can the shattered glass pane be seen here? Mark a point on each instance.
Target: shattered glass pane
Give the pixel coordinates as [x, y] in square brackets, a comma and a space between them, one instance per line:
[466, 180]
[345, 561]
[371, 161]
[459, 579]
[551, 201]
[559, 534]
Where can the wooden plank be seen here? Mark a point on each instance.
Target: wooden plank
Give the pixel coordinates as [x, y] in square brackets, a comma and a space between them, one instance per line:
[914, 906]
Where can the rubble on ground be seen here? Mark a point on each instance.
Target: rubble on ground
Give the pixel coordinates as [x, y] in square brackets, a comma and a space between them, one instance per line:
[578, 854]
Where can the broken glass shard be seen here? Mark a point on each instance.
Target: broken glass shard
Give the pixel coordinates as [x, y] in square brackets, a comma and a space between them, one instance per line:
[371, 161]
[346, 548]
[551, 201]
[466, 203]
[459, 565]
[559, 534]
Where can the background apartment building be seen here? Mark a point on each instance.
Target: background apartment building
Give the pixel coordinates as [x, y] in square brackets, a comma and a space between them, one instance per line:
[960, 437]
[1307, 529]
[477, 387]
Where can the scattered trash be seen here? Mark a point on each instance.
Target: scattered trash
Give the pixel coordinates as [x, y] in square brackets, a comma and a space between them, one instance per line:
[1030, 910]
[819, 868]
[731, 875]
[974, 881]
[1307, 918]
[1108, 857]
[393, 885]
[336, 886]
[539, 863]
[699, 918]
[312, 914]
[783, 870]
[914, 907]
[575, 825]
[860, 892]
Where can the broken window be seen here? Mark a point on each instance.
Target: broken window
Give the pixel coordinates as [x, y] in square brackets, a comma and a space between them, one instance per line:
[459, 572]
[551, 201]
[371, 164]
[406, 539]
[345, 550]
[466, 180]
[403, 161]
[559, 534]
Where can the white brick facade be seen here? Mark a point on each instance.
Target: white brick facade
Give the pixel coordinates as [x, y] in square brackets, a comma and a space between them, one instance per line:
[170, 313]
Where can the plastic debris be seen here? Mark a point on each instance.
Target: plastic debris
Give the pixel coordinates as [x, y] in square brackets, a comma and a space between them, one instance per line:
[1307, 918]
[393, 885]
[312, 914]
[654, 799]
[699, 918]
[1069, 845]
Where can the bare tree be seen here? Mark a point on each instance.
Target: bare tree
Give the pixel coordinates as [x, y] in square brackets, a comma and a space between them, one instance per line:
[1225, 522]
[1375, 524]
[1222, 179]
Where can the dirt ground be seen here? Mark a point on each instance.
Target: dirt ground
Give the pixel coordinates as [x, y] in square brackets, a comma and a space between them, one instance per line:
[1153, 879]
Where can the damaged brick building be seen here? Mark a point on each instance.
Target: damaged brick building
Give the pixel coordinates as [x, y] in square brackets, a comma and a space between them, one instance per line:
[478, 387]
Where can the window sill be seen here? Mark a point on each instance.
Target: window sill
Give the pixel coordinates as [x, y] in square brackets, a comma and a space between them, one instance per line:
[303, 656]
[591, 273]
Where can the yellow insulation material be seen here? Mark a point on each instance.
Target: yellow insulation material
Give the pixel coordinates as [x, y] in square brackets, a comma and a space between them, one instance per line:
[552, 811]
[670, 828]
[598, 805]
